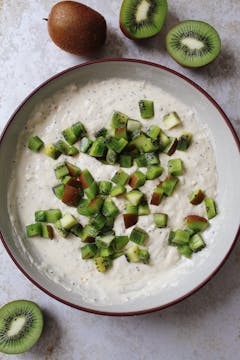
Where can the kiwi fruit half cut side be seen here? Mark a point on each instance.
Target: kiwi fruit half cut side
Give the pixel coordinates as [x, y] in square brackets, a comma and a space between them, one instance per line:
[193, 43]
[141, 19]
[21, 324]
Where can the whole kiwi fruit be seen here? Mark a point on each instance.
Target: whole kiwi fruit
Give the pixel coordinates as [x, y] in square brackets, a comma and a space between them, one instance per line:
[76, 28]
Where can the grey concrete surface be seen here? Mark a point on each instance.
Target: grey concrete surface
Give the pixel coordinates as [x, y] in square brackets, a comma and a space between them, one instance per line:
[204, 326]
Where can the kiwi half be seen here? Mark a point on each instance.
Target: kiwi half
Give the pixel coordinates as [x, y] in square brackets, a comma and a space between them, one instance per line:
[21, 324]
[141, 19]
[193, 43]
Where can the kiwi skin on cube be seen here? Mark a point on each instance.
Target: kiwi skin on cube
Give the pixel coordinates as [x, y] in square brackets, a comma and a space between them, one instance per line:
[193, 43]
[141, 19]
[21, 324]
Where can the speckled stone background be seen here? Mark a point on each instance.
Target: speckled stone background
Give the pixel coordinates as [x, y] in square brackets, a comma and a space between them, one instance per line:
[204, 326]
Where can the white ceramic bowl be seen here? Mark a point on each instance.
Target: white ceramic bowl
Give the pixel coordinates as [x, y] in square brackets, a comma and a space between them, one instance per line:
[228, 167]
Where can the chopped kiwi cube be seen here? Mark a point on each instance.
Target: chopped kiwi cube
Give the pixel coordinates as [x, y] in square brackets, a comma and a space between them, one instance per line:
[98, 222]
[98, 147]
[153, 172]
[181, 237]
[141, 161]
[134, 197]
[40, 216]
[144, 255]
[104, 187]
[137, 179]
[171, 120]
[196, 197]
[160, 220]
[171, 147]
[184, 141]
[210, 208]
[196, 223]
[88, 234]
[109, 208]
[196, 243]
[66, 179]
[105, 252]
[121, 133]
[131, 209]
[175, 167]
[157, 196]
[88, 251]
[138, 235]
[76, 230]
[111, 157]
[152, 158]
[101, 132]
[47, 231]
[69, 136]
[82, 207]
[34, 230]
[68, 221]
[146, 108]
[144, 143]
[102, 263]
[169, 185]
[117, 190]
[62, 232]
[143, 208]
[95, 205]
[164, 140]
[130, 219]
[85, 144]
[120, 178]
[91, 191]
[185, 250]
[170, 238]
[109, 223]
[58, 190]
[105, 240]
[53, 215]
[120, 242]
[61, 171]
[78, 129]
[86, 178]
[119, 120]
[133, 125]
[115, 144]
[132, 254]
[153, 132]
[35, 143]
[125, 161]
[52, 151]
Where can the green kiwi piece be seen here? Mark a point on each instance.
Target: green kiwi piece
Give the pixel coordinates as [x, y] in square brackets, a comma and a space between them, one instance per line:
[21, 324]
[141, 19]
[193, 43]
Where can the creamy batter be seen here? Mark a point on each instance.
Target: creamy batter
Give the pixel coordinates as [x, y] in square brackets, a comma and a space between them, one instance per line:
[33, 178]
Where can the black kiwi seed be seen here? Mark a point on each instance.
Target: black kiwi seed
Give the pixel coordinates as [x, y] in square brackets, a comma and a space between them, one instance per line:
[193, 43]
[21, 324]
[140, 19]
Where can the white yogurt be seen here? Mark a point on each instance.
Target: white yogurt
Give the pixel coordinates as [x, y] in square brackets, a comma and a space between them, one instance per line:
[33, 179]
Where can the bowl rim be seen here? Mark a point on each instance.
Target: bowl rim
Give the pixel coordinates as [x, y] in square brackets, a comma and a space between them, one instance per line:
[235, 137]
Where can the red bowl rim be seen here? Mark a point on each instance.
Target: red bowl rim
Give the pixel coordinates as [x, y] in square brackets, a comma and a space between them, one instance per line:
[225, 118]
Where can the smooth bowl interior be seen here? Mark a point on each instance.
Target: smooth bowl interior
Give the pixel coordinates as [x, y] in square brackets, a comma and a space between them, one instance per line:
[228, 166]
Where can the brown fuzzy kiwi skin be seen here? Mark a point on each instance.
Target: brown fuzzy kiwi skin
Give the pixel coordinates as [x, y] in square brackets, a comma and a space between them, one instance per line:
[76, 28]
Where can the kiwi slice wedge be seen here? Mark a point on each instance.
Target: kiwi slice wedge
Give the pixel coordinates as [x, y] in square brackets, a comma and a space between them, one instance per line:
[193, 43]
[21, 324]
[141, 19]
